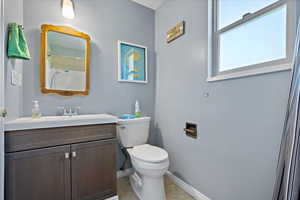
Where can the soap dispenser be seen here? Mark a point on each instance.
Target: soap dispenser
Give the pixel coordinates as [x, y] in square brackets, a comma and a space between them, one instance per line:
[137, 112]
[36, 112]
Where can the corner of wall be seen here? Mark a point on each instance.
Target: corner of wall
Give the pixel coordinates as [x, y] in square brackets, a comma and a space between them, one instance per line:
[13, 94]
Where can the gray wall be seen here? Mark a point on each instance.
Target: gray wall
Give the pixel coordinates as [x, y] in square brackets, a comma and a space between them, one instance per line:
[13, 94]
[106, 21]
[240, 123]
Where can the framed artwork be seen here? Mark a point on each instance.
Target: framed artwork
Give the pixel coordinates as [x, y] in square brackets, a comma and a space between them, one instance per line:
[132, 63]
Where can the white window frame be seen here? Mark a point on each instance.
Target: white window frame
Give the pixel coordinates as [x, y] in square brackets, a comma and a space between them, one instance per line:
[266, 67]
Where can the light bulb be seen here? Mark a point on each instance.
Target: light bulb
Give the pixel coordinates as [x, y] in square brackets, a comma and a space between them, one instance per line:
[68, 9]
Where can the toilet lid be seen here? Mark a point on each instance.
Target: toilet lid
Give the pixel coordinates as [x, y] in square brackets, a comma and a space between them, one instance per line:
[149, 153]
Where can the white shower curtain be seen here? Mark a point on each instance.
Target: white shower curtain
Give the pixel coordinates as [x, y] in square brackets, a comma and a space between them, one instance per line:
[287, 186]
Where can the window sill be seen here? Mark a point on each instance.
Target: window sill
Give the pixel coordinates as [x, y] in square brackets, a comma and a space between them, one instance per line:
[252, 72]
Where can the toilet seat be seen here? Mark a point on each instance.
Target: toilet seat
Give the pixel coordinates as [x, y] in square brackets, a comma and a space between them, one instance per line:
[148, 153]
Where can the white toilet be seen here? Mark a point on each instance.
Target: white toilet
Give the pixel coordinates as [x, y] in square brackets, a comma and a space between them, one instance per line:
[149, 162]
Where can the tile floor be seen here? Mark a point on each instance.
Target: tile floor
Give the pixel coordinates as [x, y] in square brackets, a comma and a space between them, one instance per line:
[173, 191]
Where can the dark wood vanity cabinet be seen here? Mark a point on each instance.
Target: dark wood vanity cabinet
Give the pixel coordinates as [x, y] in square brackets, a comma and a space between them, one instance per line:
[79, 167]
[38, 174]
[93, 170]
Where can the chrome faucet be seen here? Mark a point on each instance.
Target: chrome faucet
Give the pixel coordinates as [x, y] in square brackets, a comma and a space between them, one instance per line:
[69, 111]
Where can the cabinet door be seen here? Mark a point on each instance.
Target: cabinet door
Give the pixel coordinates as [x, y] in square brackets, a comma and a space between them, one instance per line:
[42, 174]
[93, 170]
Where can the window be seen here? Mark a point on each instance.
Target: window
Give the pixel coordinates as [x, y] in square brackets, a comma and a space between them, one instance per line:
[251, 37]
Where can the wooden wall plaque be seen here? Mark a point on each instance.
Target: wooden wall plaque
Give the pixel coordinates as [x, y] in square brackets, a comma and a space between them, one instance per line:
[176, 32]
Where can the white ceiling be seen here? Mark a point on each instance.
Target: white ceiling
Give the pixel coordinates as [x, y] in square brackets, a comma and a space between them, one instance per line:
[154, 4]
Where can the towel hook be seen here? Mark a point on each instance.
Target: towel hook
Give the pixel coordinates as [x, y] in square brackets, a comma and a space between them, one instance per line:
[9, 26]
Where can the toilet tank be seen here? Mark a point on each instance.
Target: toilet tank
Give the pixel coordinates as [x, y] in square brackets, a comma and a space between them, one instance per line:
[133, 132]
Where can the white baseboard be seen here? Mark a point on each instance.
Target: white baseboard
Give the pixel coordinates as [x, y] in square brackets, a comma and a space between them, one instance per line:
[126, 172]
[113, 198]
[186, 187]
[180, 183]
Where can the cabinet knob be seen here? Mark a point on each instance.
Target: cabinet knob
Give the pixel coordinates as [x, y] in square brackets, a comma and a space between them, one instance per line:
[67, 155]
[74, 154]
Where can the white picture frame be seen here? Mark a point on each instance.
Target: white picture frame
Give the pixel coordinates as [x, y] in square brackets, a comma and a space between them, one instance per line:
[122, 70]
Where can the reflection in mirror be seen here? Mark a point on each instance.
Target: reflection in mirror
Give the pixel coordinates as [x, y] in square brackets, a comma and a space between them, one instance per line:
[65, 63]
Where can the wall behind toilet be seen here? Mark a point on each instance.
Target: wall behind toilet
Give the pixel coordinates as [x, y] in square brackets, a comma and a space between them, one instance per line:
[106, 21]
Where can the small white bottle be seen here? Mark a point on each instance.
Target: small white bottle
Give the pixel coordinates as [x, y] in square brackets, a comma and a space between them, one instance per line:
[137, 112]
[36, 112]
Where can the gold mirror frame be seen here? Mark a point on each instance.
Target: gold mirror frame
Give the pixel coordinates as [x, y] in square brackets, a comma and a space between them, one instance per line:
[72, 32]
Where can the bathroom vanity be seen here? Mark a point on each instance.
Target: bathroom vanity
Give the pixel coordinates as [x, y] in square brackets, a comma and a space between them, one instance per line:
[61, 158]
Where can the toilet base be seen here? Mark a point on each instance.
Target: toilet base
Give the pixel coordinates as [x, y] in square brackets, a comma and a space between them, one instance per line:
[150, 189]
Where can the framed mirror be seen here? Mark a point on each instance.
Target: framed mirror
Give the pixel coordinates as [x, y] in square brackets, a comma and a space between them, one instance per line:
[65, 61]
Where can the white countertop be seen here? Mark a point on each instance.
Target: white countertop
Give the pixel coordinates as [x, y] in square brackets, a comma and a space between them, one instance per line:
[27, 123]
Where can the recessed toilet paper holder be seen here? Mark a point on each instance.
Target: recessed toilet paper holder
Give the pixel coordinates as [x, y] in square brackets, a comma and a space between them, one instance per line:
[191, 130]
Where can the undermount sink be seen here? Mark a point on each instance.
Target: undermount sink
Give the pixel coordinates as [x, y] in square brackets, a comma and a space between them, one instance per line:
[26, 123]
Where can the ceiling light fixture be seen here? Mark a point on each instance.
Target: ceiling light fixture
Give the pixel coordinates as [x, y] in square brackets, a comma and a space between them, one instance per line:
[68, 9]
